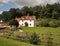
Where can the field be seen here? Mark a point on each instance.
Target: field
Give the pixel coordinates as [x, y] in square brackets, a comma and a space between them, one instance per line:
[9, 42]
[46, 32]
[42, 29]
[39, 30]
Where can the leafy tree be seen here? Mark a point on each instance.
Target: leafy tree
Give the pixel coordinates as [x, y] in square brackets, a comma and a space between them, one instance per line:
[6, 16]
[25, 10]
[13, 23]
[55, 15]
[48, 11]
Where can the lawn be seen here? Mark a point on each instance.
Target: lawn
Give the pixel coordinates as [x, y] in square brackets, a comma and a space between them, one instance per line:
[53, 30]
[39, 30]
[45, 30]
[9, 42]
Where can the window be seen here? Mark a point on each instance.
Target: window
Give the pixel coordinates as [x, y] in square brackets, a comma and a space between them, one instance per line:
[30, 24]
[22, 24]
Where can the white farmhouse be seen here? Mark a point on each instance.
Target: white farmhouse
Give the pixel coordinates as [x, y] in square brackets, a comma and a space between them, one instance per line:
[29, 21]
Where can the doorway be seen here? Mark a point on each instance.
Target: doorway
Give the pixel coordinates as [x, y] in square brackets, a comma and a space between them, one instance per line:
[26, 24]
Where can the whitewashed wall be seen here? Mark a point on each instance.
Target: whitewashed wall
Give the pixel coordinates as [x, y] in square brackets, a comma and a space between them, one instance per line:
[22, 23]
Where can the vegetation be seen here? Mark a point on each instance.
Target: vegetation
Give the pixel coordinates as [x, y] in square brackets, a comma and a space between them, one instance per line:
[34, 39]
[48, 21]
[48, 11]
[42, 29]
[36, 35]
[10, 42]
[13, 23]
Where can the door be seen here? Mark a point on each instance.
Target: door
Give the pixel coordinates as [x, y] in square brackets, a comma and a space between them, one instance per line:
[26, 24]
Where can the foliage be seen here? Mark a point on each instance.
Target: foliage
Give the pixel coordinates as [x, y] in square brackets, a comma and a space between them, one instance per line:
[48, 11]
[44, 12]
[34, 39]
[48, 23]
[47, 35]
[13, 23]
[10, 42]
[50, 39]
[53, 24]
[43, 23]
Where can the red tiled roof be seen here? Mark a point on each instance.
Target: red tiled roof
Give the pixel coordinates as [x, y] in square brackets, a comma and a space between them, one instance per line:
[26, 18]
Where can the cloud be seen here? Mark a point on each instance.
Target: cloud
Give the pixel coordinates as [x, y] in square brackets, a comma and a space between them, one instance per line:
[25, 2]
[1, 5]
[30, 2]
[34, 2]
[1, 12]
[4, 1]
[18, 6]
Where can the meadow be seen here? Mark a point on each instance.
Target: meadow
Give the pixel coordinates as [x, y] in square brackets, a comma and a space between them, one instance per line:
[10, 42]
[44, 33]
[54, 30]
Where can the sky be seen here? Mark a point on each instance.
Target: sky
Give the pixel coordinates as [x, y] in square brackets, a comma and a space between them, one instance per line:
[5, 5]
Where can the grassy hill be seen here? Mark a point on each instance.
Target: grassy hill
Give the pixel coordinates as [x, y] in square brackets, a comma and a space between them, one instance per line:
[38, 30]
[53, 30]
[9, 42]
[45, 30]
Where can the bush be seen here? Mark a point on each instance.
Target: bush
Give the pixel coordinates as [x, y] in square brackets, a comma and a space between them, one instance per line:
[43, 22]
[13, 23]
[48, 23]
[53, 24]
[34, 39]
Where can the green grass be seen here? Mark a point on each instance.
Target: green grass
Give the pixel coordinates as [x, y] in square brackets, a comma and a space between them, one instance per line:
[9, 42]
[42, 29]
[39, 30]
[45, 31]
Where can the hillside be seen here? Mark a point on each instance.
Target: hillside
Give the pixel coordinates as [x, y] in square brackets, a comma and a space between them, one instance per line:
[9, 42]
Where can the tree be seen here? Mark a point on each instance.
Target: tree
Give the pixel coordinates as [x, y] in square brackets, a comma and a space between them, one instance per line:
[25, 10]
[6, 16]
[13, 23]
[48, 11]
[55, 15]
[14, 12]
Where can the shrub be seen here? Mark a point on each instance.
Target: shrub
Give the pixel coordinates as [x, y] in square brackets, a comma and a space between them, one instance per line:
[34, 39]
[43, 23]
[53, 24]
[13, 23]
[48, 23]
[50, 39]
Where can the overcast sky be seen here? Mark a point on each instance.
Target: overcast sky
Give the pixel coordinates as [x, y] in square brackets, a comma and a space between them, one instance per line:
[7, 4]
[34, 2]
